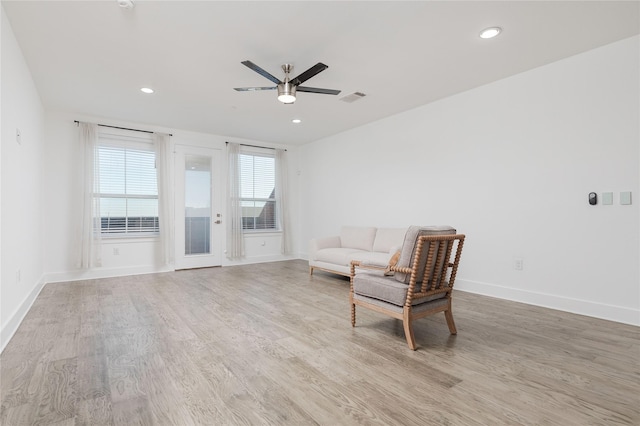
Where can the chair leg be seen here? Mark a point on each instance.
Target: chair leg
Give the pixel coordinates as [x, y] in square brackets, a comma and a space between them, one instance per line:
[452, 325]
[353, 315]
[408, 330]
[310, 271]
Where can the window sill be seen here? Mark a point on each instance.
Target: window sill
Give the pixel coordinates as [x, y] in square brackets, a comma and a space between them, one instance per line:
[118, 239]
[261, 233]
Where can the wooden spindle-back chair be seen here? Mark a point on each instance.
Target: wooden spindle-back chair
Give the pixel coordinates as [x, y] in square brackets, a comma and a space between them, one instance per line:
[421, 284]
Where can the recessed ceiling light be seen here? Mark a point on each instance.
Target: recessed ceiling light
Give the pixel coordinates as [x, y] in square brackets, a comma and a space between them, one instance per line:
[296, 120]
[146, 90]
[490, 32]
[127, 4]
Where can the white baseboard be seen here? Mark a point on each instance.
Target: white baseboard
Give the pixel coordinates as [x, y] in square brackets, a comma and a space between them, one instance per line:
[582, 307]
[258, 259]
[11, 326]
[97, 273]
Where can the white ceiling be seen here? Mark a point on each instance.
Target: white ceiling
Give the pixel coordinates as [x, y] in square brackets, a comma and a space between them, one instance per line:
[92, 57]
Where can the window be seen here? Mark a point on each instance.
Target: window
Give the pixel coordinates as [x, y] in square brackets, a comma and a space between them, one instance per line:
[128, 191]
[258, 191]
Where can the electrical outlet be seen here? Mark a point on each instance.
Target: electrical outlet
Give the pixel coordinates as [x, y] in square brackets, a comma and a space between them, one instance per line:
[518, 264]
[116, 251]
[18, 137]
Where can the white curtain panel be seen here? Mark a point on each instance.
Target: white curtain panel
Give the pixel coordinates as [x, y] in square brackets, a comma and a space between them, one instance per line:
[90, 242]
[282, 200]
[162, 145]
[235, 240]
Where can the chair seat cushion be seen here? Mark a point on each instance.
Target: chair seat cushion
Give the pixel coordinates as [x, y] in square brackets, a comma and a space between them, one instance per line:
[386, 288]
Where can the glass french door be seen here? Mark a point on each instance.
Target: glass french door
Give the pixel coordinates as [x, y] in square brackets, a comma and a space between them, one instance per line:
[197, 214]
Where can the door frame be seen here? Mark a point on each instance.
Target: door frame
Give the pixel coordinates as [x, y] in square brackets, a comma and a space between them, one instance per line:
[214, 258]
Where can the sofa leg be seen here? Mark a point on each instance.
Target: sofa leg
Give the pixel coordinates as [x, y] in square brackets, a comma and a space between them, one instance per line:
[310, 271]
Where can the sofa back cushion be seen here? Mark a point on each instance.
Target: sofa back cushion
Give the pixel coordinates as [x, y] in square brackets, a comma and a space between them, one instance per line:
[388, 238]
[409, 246]
[358, 237]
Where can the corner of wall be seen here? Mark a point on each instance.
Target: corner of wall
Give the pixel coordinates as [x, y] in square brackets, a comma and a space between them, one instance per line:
[12, 324]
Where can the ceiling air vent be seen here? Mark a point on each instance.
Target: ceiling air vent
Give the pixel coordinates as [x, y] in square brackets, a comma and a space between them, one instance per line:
[353, 97]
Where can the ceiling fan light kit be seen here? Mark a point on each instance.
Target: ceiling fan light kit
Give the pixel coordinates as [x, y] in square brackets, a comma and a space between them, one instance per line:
[286, 93]
[287, 89]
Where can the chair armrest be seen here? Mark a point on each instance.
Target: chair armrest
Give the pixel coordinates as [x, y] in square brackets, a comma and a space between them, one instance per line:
[360, 265]
[400, 269]
[316, 244]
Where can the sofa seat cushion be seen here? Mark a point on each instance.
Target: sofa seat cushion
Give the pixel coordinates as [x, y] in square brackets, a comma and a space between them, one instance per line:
[338, 255]
[386, 288]
[372, 258]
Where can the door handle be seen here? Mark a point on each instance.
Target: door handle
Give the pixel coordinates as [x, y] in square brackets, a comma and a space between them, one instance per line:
[218, 222]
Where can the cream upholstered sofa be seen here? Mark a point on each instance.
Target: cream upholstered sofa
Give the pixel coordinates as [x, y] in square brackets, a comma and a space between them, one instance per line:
[369, 245]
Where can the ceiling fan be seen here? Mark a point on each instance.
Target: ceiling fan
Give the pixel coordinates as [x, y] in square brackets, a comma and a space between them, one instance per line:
[287, 89]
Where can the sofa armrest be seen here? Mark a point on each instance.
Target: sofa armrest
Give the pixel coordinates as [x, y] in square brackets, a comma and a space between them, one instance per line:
[316, 244]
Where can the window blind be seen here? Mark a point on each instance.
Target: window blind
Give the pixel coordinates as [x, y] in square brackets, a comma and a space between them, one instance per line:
[257, 188]
[128, 189]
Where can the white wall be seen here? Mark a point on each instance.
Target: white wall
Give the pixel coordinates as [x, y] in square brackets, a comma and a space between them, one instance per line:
[135, 255]
[22, 239]
[509, 164]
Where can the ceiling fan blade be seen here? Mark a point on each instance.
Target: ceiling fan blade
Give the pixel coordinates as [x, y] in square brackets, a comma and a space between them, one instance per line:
[317, 90]
[260, 71]
[254, 89]
[317, 68]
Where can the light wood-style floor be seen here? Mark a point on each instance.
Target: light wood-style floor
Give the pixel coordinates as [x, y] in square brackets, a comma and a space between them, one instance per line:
[267, 344]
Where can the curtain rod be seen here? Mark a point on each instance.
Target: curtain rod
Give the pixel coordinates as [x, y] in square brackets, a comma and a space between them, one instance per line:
[122, 128]
[255, 146]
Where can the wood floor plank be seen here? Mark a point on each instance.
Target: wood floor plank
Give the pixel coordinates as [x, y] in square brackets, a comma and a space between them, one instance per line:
[133, 412]
[57, 393]
[267, 344]
[94, 412]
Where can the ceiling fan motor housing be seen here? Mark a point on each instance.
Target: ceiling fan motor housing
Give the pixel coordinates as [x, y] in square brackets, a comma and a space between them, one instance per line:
[286, 92]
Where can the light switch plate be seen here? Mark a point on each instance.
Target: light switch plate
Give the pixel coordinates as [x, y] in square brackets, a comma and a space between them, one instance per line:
[625, 198]
[607, 198]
